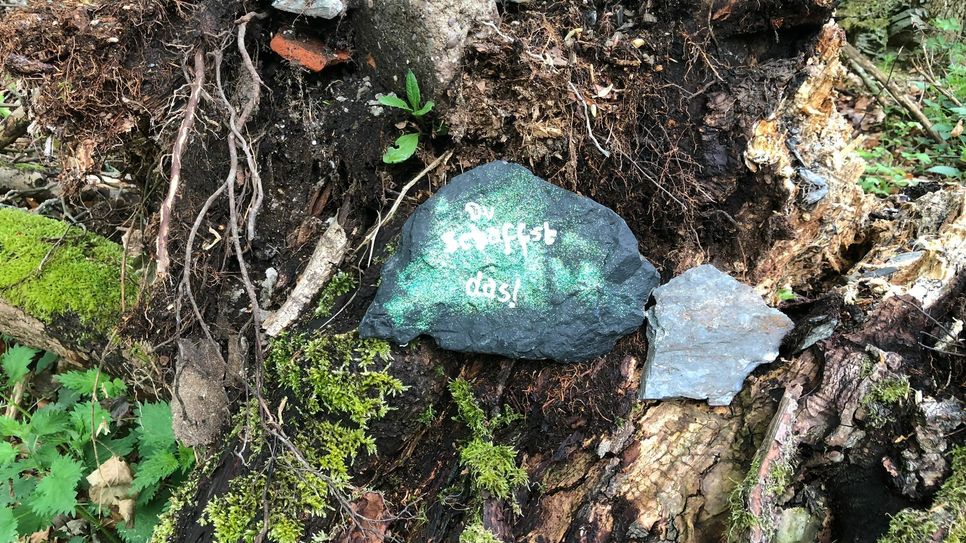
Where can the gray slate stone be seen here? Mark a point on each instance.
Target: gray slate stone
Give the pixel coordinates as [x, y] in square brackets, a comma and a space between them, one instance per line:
[327, 9]
[706, 333]
[579, 286]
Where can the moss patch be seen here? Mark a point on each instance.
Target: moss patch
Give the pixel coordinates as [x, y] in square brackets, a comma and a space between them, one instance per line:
[492, 468]
[337, 385]
[81, 275]
[944, 521]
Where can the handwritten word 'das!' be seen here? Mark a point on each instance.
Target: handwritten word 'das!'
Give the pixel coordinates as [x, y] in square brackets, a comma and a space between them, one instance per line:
[508, 236]
[481, 286]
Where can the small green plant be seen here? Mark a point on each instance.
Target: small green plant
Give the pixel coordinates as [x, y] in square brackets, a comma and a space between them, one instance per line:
[406, 144]
[427, 416]
[47, 450]
[341, 284]
[903, 153]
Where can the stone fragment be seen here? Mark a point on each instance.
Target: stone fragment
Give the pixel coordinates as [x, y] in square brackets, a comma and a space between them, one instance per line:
[427, 37]
[327, 9]
[500, 261]
[706, 333]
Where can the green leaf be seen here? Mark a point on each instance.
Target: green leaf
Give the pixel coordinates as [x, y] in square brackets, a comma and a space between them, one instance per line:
[154, 430]
[392, 100]
[412, 89]
[84, 382]
[8, 453]
[15, 362]
[785, 294]
[47, 421]
[56, 493]
[8, 525]
[403, 149]
[154, 470]
[948, 171]
[112, 447]
[45, 361]
[29, 522]
[186, 458]
[427, 107]
[11, 428]
[89, 419]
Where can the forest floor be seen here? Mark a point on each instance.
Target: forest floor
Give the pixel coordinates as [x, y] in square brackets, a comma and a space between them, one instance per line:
[653, 112]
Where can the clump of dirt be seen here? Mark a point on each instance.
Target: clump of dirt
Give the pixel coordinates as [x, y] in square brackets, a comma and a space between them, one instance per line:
[644, 117]
[91, 69]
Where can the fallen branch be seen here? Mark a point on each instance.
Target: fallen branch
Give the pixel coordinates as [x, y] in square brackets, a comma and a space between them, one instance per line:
[327, 255]
[163, 260]
[857, 59]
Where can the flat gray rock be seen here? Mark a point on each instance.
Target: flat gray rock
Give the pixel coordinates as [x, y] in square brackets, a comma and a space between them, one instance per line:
[500, 261]
[706, 333]
[327, 9]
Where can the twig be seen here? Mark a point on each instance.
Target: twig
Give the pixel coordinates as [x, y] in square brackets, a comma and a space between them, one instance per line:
[163, 260]
[590, 132]
[371, 236]
[857, 59]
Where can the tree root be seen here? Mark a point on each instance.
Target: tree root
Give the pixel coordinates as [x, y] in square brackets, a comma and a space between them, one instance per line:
[177, 151]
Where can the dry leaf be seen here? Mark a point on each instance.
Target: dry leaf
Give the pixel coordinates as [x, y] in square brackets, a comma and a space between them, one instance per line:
[125, 508]
[957, 130]
[113, 472]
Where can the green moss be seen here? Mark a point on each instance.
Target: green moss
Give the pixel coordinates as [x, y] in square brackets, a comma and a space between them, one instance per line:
[890, 391]
[882, 397]
[492, 468]
[339, 384]
[335, 374]
[740, 519]
[946, 516]
[232, 513]
[81, 275]
[164, 529]
[477, 533]
[779, 477]
[341, 283]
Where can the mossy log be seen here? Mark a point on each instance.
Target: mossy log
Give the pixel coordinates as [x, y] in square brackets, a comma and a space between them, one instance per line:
[60, 286]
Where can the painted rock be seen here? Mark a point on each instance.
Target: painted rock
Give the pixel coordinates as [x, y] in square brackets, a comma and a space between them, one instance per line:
[706, 333]
[500, 261]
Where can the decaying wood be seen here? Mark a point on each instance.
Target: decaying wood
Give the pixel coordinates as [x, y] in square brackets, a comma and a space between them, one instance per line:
[30, 331]
[327, 256]
[14, 127]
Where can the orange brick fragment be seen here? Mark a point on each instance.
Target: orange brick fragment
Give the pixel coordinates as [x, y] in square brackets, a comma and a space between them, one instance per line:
[309, 53]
